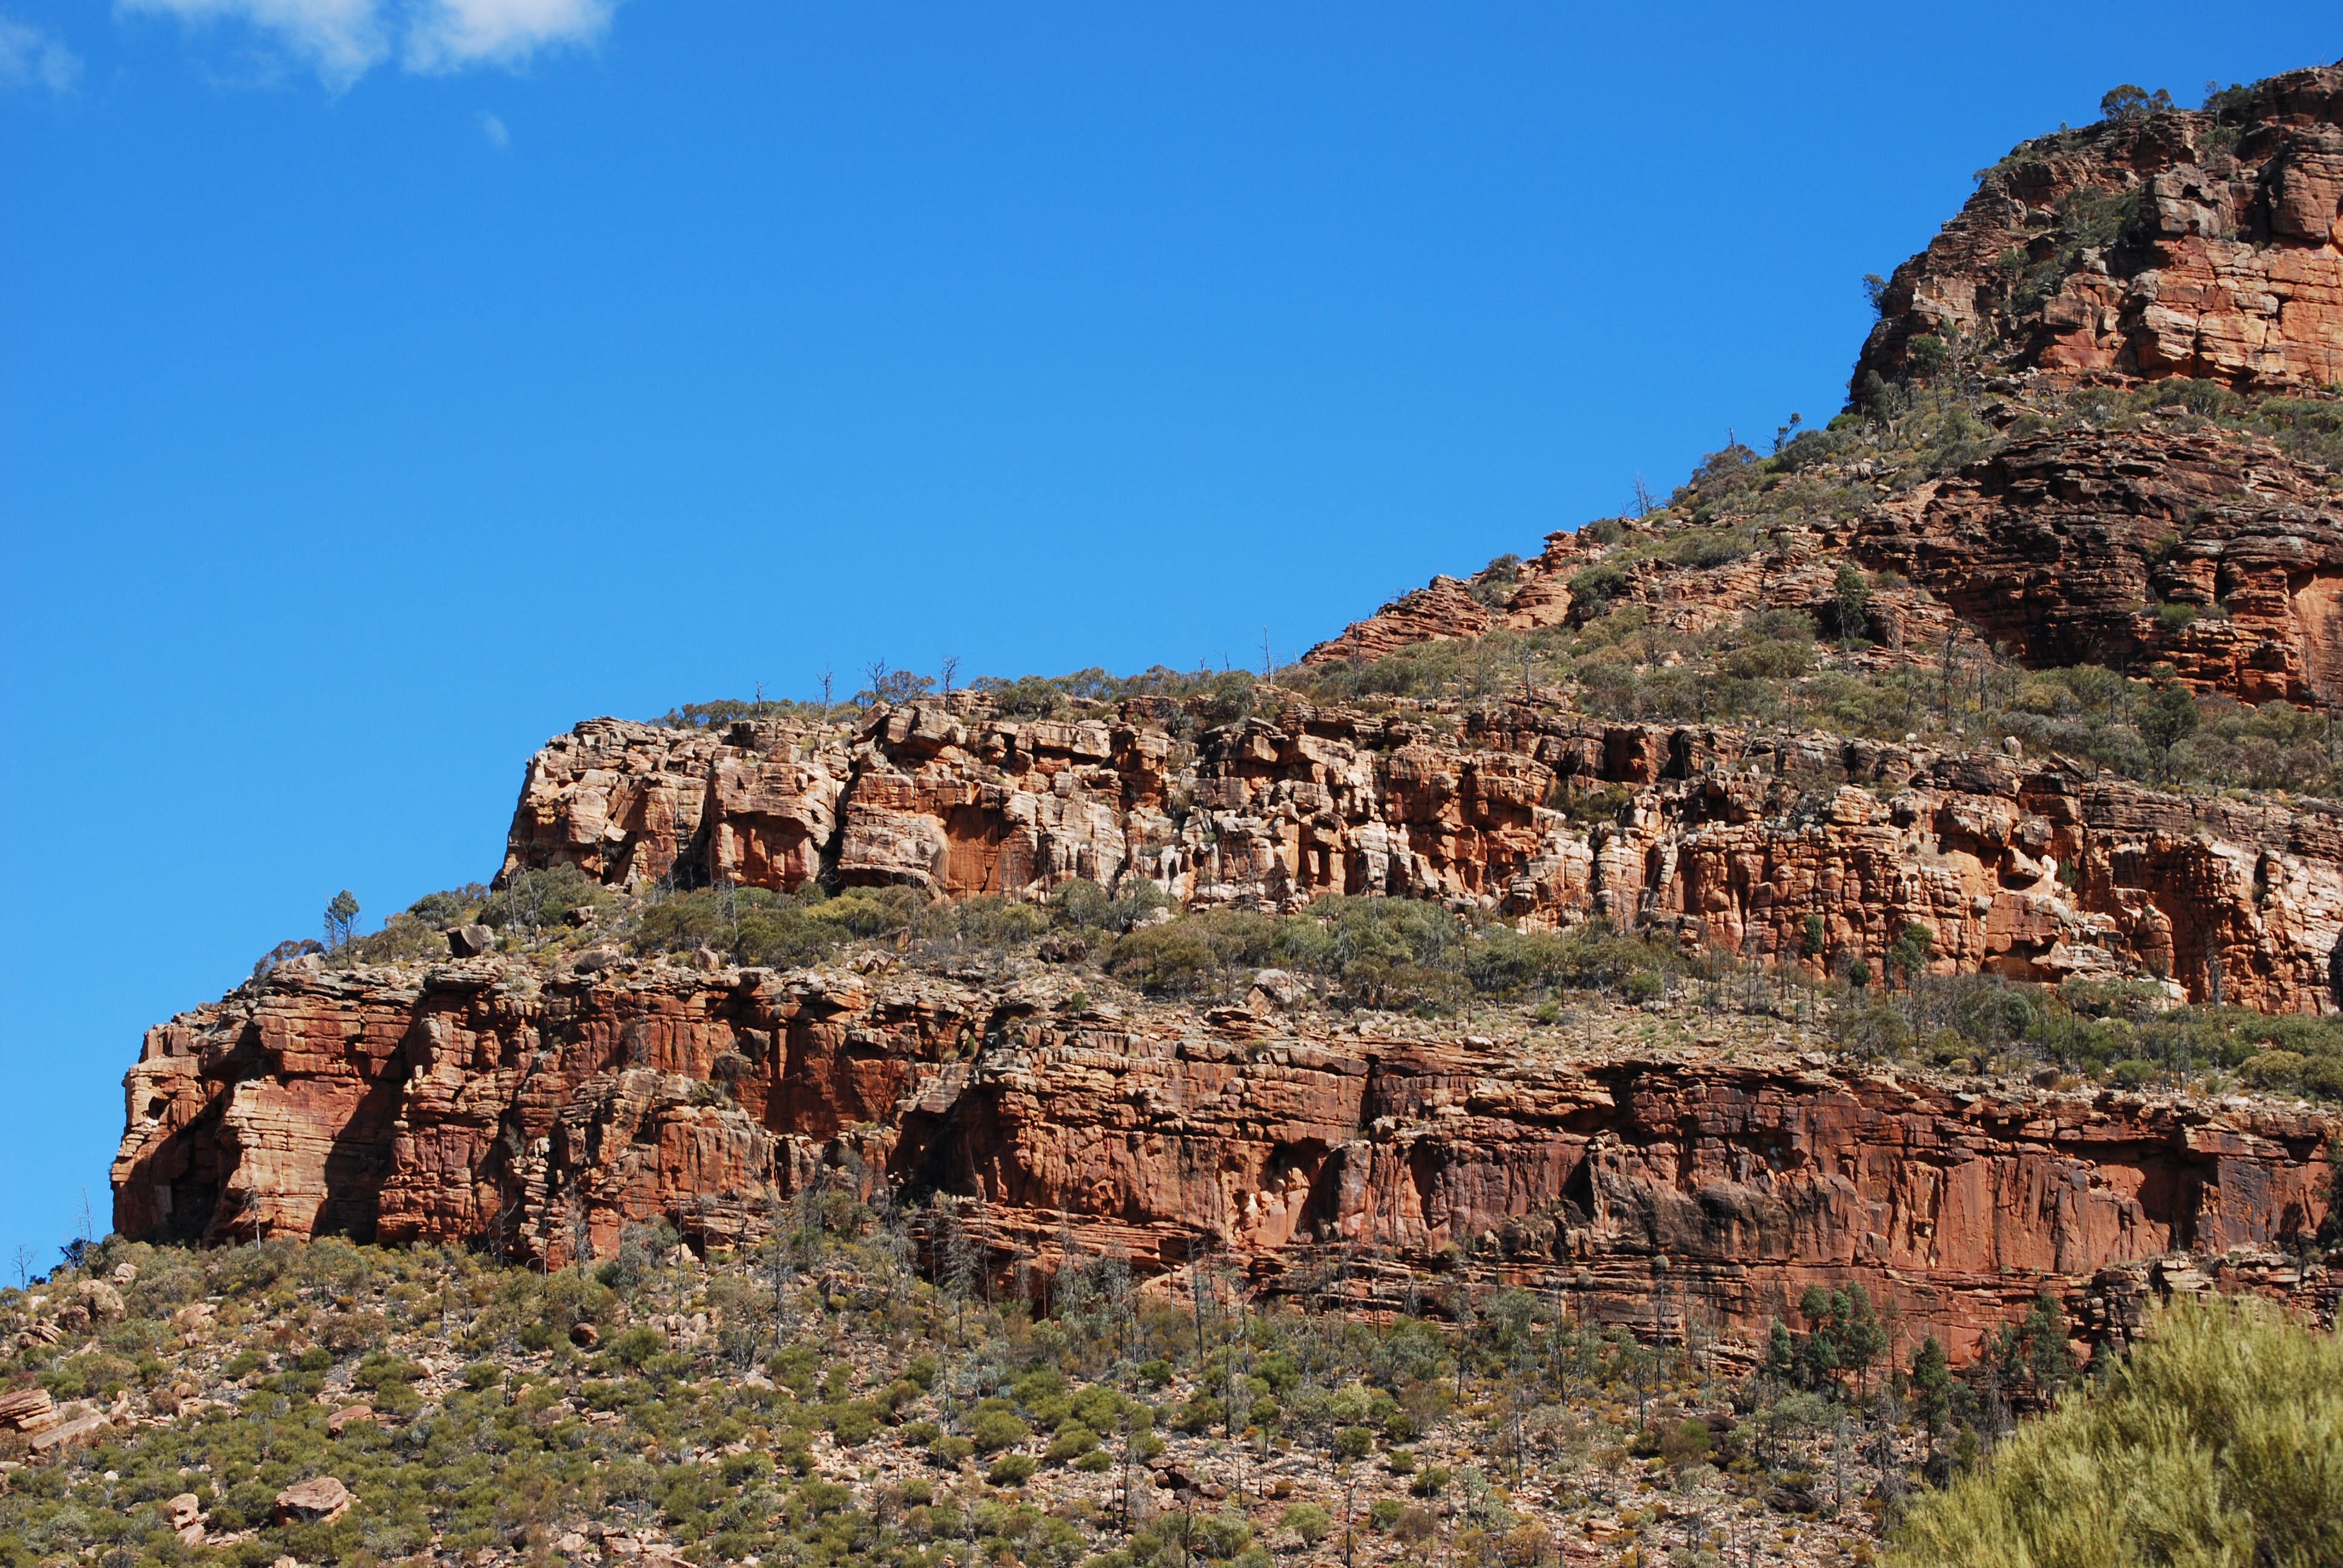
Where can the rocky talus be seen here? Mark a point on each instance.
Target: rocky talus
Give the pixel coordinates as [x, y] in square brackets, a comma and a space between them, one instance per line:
[538, 1113]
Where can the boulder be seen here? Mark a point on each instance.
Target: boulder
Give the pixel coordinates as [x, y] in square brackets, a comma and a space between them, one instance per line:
[25, 1409]
[320, 1500]
[102, 1300]
[71, 1428]
[348, 1415]
[184, 1516]
[470, 941]
[1277, 988]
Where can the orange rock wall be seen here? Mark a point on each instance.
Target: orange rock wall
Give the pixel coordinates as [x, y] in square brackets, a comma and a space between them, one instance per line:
[541, 1115]
[2228, 265]
[2033, 869]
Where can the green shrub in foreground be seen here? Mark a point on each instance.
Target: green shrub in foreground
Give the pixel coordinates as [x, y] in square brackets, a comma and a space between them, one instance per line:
[2219, 1441]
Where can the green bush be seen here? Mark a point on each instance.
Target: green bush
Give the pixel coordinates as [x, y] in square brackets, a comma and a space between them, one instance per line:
[2220, 1440]
[535, 901]
[1308, 1521]
[997, 1429]
[1011, 1470]
[1072, 1441]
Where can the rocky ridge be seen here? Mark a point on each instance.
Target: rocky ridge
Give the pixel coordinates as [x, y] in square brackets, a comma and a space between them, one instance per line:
[2201, 249]
[542, 1113]
[1983, 499]
[2201, 244]
[2032, 868]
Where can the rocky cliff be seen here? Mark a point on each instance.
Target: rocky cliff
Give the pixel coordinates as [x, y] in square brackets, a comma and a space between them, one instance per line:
[540, 1113]
[2034, 869]
[2202, 249]
[2202, 244]
[538, 1105]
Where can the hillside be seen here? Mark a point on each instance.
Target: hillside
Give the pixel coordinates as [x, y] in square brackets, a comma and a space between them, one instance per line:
[1677, 1036]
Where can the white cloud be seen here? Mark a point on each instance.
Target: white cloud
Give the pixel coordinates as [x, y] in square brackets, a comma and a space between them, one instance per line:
[342, 40]
[32, 57]
[494, 129]
[448, 35]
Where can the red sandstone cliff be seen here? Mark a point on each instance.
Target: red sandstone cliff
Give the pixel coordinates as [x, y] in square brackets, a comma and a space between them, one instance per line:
[539, 1110]
[2180, 245]
[2205, 245]
[2032, 869]
[542, 1112]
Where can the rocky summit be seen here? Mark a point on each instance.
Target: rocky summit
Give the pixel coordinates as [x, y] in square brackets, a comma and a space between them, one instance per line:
[1910, 858]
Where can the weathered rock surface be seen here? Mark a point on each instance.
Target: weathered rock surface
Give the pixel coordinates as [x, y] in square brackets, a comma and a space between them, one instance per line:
[2060, 547]
[2036, 869]
[541, 1115]
[1447, 609]
[540, 1112]
[25, 1410]
[2218, 253]
[319, 1501]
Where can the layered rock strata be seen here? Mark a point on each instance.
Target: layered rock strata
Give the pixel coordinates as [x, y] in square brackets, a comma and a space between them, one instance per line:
[2034, 868]
[539, 1114]
[2063, 548]
[2196, 243]
[2058, 549]
[1535, 594]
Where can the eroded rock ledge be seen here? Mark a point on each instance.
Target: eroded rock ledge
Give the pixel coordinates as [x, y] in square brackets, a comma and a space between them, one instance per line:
[2036, 868]
[537, 1113]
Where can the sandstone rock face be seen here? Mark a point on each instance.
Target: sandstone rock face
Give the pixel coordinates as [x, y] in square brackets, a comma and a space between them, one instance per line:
[626, 802]
[1446, 609]
[2060, 547]
[1443, 609]
[542, 1115]
[25, 1410]
[2034, 868]
[2216, 251]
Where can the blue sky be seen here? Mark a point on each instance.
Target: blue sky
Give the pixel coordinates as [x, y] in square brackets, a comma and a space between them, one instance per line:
[386, 385]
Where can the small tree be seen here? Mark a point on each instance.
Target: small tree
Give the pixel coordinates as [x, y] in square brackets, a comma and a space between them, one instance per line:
[1909, 955]
[2166, 719]
[2131, 103]
[1781, 1356]
[341, 918]
[1932, 1385]
[1850, 601]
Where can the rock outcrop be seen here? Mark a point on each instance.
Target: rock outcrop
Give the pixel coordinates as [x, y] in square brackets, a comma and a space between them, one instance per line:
[2175, 544]
[541, 1114]
[1524, 597]
[539, 1110]
[2032, 869]
[2063, 549]
[2207, 244]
